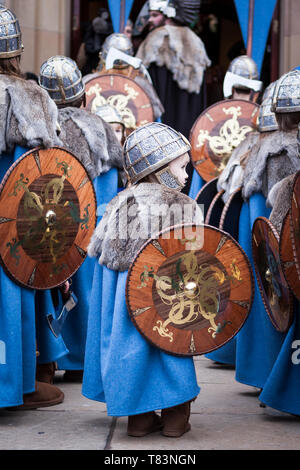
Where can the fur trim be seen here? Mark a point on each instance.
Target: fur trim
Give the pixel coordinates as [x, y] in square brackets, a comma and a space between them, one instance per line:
[180, 50]
[231, 177]
[131, 218]
[274, 157]
[28, 116]
[280, 200]
[91, 139]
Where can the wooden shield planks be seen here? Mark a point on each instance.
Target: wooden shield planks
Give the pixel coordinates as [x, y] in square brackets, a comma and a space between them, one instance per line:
[217, 132]
[47, 217]
[131, 101]
[275, 292]
[190, 298]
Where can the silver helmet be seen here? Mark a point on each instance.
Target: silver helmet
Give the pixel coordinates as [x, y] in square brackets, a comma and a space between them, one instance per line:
[244, 66]
[10, 34]
[62, 79]
[150, 147]
[286, 97]
[242, 73]
[109, 114]
[118, 41]
[266, 118]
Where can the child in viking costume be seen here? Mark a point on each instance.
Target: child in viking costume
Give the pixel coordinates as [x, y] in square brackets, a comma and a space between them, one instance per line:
[258, 343]
[94, 143]
[116, 56]
[240, 82]
[28, 119]
[112, 116]
[281, 390]
[176, 60]
[232, 178]
[122, 369]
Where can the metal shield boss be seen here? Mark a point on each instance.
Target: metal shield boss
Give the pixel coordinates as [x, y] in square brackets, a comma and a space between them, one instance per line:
[217, 132]
[47, 217]
[189, 290]
[273, 287]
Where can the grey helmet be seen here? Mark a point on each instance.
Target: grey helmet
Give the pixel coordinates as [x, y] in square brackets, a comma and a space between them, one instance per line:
[244, 66]
[266, 118]
[119, 41]
[242, 73]
[286, 97]
[109, 114]
[10, 34]
[149, 148]
[62, 79]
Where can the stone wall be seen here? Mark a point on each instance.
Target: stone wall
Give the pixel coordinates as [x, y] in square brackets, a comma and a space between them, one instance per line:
[46, 29]
[289, 35]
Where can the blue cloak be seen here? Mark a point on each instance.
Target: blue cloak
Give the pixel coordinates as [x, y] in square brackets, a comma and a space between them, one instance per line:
[281, 390]
[75, 327]
[257, 343]
[254, 349]
[196, 184]
[23, 328]
[121, 368]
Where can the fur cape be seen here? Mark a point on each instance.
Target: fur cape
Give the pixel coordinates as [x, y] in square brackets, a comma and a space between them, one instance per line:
[231, 177]
[280, 201]
[135, 215]
[158, 108]
[275, 156]
[91, 139]
[28, 116]
[181, 51]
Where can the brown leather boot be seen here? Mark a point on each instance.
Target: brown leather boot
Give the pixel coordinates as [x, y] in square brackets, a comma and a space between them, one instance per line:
[44, 395]
[176, 420]
[45, 372]
[143, 424]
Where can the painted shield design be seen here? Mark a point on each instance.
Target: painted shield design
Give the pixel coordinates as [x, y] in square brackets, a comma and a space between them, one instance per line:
[123, 93]
[217, 132]
[190, 290]
[47, 217]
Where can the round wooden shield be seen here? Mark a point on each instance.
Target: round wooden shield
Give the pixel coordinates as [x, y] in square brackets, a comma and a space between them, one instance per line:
[229, 221]
[275, 292]
[215, 210]
[287, 256]
[123, 93]
[47, 217]
[190, 290]
[295, 223]
[217, 132]
[206, 195]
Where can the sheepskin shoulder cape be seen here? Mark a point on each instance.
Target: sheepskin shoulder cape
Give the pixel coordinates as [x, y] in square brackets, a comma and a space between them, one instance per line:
[274, 158]
[231, 177]
[180, 50]
[135, 215]
[28, 116]
[91, 139]
[280, 201]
